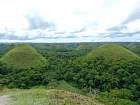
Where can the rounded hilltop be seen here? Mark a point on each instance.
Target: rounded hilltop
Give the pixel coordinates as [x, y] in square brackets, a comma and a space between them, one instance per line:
[111, 52]
[23, 56]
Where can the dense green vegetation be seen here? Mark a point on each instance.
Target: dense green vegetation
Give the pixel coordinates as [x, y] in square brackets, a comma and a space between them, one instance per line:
[109, 72]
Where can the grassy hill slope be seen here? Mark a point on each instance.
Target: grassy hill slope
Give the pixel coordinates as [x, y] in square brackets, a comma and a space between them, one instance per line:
[23, 56]
[112, 52]
[48, 97]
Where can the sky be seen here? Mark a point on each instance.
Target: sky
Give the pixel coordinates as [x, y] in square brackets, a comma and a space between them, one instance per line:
[69, 21]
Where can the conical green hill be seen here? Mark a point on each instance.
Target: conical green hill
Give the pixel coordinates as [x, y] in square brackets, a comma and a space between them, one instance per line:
[112, 52]
[23, 56]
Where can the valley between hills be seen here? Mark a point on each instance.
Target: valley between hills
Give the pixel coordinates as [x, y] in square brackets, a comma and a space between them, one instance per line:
[70, 73]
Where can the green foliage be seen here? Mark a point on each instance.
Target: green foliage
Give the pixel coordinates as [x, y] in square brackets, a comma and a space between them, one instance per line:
[122, 93]
[106, 68]
[115, 98]
[110, 72]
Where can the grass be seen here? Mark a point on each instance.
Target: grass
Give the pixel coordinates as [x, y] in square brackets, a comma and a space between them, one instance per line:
[63, 85]
[23, 56]
[48, 97]
[112, 52]
[57, 93]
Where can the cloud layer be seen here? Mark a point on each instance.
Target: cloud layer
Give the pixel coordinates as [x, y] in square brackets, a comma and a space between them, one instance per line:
[69, 20]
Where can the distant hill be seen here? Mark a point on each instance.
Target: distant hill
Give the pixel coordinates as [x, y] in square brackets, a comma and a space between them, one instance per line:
[85, 46]
[23, 56]
[135, 47]
[112, 52]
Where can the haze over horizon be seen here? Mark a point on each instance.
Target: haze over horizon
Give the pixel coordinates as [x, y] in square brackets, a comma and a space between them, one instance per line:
[69, 20]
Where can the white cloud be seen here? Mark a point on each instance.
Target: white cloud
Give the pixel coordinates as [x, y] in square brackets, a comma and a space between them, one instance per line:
[68, 16]
[133, 26]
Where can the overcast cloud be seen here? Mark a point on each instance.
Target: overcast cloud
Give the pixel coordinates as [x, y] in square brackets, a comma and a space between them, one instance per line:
[69, 20]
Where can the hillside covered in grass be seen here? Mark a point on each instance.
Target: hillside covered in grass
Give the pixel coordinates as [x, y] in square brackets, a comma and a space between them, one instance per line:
[48, 97]
[106, 68]
[23, 56]
[108, 71]
[112, 52]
